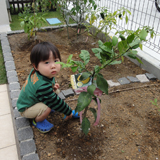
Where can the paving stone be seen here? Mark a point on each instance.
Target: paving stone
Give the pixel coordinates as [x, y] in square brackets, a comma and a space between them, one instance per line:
[9, 65]
[27, 147]
[7, 54]
[9, 58]
[68, 92]
[133, 79]
[142, 78]
[3, 35]
[16, 113]
[25, 133]
[22, 122]
[5, 42]
[15, 94]
[6, 49]
[14, 86]
[123, 80]
[14, 102]
[150, 76]
[11, 73]
[31, 157]
[61, 95]
[10, 68]
[12, 79]
[111, 83]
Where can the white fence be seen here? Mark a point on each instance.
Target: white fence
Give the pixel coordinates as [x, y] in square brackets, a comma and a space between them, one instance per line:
[143, 13]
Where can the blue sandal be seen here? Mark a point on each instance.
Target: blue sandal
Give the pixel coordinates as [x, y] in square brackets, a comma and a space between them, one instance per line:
[74, 115]
[43, 126]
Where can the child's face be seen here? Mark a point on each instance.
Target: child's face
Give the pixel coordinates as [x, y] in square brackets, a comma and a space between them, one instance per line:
[48, 68]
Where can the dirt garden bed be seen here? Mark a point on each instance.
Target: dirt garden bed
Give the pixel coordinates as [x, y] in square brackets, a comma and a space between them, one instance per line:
[129, 127]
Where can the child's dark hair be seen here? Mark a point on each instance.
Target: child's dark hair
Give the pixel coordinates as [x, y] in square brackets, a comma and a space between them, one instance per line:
[41, 51]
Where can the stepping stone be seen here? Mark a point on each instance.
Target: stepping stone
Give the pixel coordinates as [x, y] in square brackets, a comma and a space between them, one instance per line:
[61, 95]
[112, 84]
[133, 79]
[142, 78]
[150, 76]
[68, 92]
[123, 80]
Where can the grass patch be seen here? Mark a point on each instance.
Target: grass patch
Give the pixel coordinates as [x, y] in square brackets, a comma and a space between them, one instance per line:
[15, 24]
[3, 78]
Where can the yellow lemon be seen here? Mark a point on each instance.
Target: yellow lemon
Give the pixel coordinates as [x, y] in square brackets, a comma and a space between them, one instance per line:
[84, 81]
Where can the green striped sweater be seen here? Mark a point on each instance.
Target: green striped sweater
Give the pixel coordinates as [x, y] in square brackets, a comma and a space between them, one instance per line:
[38, 88]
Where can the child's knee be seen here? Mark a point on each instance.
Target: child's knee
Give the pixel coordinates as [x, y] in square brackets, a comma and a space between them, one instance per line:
[35, 110]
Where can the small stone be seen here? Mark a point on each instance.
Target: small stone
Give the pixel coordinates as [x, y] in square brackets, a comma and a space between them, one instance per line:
[112, 84]
[123, 80]
[133, 79]
[150, 76]
[49, 154]
[142, 78]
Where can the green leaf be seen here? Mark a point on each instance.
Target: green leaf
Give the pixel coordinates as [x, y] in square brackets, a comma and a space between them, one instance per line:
[143, 34]
[100, 43]
[98, 56]
[102, 83]
[22, 23]
[123, 13]
[85, 125]
[106, 50]
[84, 76]
[139, 60]
[74, 69]
[96, 69]
[122, 37]
[141, 46]
[134, 43]
[132, 54]
[96, 50]
[155, 100]
[130, 38]
[93, 110]
[108, 45]
[122, 46]
[126, 19]
[91, 89]
[114, 40]
[84, 100]
[114, 13]
[69, 58]
[115, 62]
[64, 65]
[85, 56]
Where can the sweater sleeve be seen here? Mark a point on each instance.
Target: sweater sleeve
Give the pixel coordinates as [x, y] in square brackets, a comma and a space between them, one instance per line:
[46, 95]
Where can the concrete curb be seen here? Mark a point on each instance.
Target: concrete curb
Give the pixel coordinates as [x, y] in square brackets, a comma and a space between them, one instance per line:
[24, 132]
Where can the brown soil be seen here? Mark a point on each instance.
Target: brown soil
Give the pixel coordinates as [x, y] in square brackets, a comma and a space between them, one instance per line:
[129, 127]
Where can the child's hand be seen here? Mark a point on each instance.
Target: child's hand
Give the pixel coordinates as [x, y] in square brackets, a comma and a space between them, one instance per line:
[56, 86]
[68, 117]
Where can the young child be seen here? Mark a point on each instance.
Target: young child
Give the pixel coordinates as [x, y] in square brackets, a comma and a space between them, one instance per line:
[38, 98]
